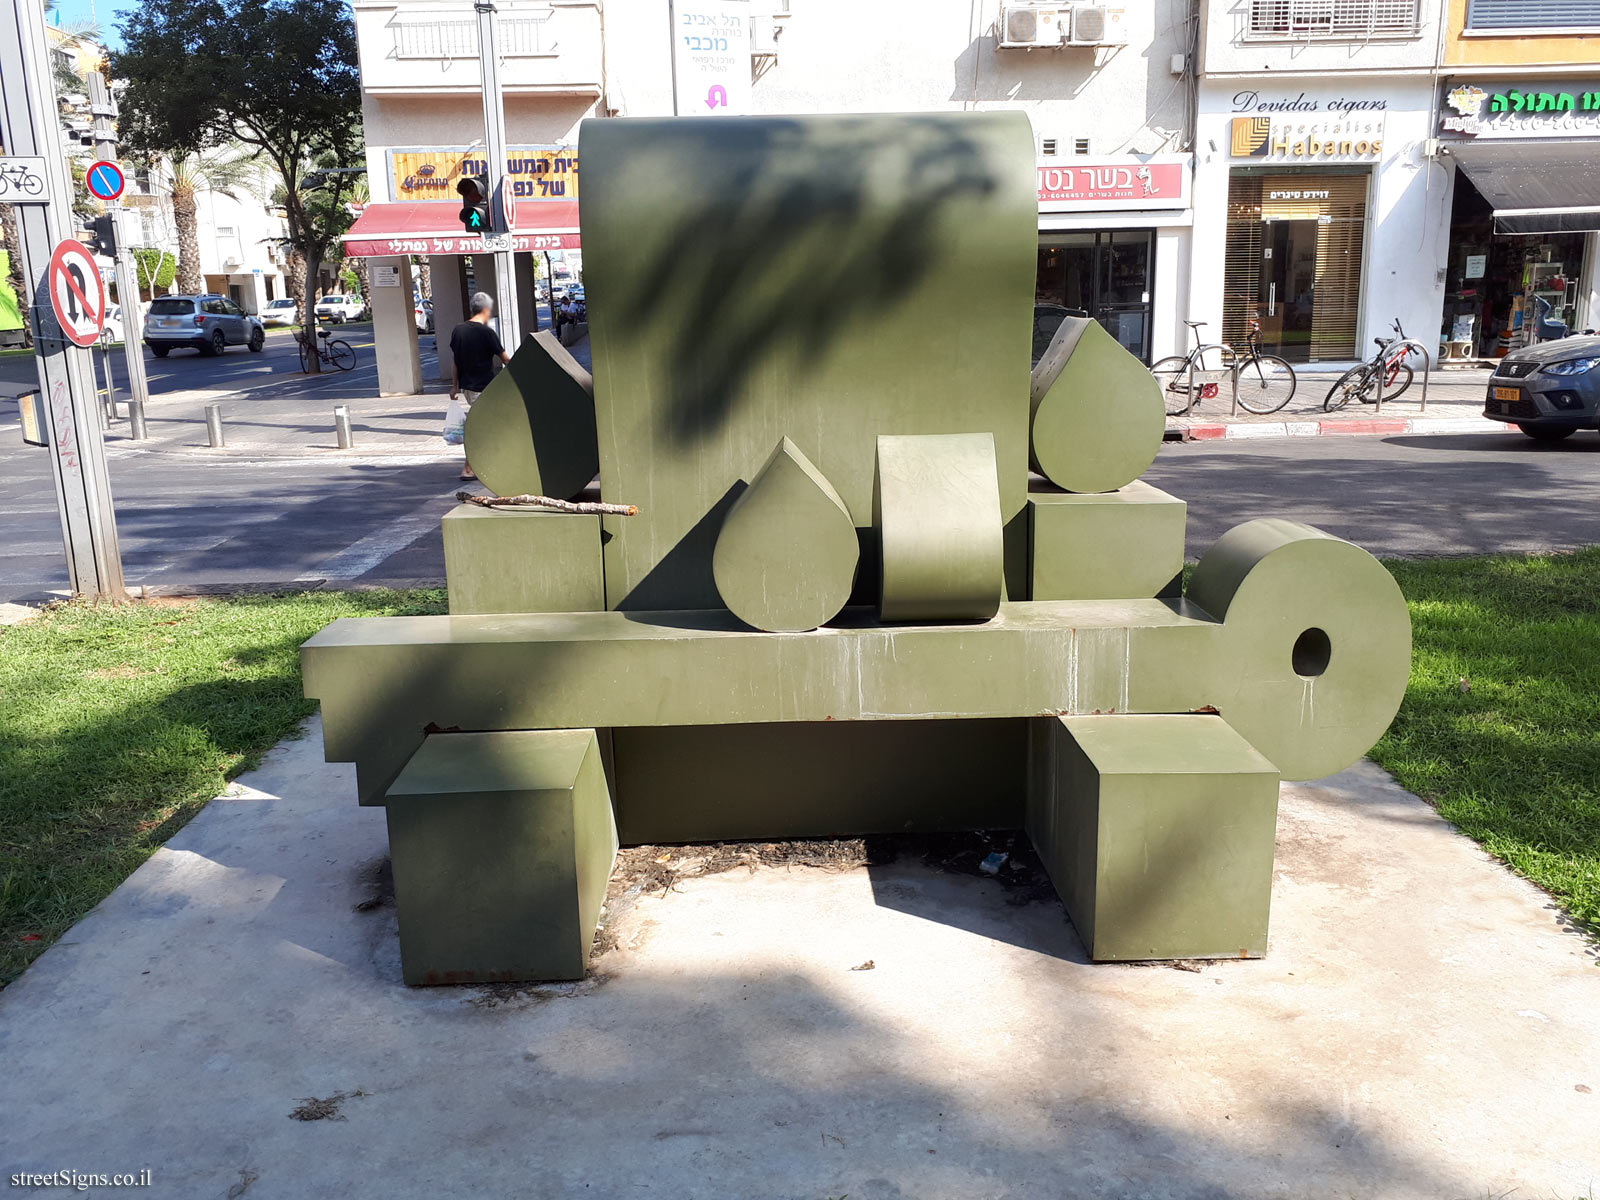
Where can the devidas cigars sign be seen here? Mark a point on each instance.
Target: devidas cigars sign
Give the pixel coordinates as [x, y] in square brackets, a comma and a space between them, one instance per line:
[1301, 129]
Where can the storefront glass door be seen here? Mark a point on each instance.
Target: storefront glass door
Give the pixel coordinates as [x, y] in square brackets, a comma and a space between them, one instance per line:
[1106, 274]
[1288, 297]
[1293, 262]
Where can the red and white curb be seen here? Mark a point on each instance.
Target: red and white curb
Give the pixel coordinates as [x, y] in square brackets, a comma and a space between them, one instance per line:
[1379, 427]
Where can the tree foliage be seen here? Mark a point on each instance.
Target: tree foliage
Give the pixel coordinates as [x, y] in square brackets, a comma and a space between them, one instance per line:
[280, 76]
[157, 268]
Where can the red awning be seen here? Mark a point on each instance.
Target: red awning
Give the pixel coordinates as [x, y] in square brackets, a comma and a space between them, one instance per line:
[433, 227]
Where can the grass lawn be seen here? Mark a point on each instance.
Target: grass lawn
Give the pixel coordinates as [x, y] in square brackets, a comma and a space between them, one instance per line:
[117, 725]
[1499, 728]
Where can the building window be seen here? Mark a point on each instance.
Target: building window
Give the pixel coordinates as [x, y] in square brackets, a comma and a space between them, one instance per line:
[1293, 262]
[517, 36]
[1048, 146]
[1337, 20]
[1080, 146]
[1533, 14]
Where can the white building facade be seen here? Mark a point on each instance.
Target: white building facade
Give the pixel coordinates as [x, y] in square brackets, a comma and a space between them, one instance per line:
[1322, 206]
[1109, 91]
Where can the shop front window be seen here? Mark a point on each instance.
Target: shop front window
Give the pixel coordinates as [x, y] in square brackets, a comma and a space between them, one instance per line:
[1293, 262]
[1104, 274]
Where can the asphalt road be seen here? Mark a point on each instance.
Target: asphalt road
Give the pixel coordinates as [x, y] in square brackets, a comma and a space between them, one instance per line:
[195, 521]
[1440, 494]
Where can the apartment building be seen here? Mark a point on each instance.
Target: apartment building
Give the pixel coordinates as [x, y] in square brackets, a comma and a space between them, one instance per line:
[1518, 121]
[1109, 91]
[1321, 202]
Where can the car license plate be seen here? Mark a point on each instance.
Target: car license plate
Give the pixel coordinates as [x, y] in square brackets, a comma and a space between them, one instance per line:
[169, 323]
[1501, 393]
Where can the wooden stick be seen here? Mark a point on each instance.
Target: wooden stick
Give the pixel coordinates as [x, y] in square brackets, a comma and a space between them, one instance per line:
[586, 507]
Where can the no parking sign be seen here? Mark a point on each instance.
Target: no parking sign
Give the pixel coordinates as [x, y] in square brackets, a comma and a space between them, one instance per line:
[76, 293]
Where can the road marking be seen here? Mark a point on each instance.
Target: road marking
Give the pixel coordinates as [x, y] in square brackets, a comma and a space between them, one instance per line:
[361, 556]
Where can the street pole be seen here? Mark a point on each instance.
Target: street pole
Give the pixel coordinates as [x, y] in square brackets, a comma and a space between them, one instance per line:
[105, 146]
[28, 126]
[494, 138]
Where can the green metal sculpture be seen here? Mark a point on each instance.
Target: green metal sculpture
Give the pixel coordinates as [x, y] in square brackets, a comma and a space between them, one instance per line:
[843, 606]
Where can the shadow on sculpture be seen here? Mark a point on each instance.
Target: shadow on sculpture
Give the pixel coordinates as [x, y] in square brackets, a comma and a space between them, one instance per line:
[840, 610]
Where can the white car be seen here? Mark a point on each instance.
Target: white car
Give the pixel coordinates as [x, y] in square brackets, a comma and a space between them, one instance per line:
[112, 330]
[281, 311]
[339, 309]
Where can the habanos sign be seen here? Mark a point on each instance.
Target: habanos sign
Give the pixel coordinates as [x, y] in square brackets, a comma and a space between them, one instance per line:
[1300, 129]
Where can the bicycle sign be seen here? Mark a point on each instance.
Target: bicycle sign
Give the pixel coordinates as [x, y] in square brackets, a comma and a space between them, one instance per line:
[22, 180]
[76, 293]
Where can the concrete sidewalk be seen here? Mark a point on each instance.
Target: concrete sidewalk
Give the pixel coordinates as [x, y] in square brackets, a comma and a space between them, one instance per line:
[1455, 405]
[1423, 1027]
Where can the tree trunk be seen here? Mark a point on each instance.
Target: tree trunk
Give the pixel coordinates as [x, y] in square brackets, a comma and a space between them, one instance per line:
[308, 302]
[191, 281]
[19, 285]
[294, 274]
[363, 280]
[425, 279]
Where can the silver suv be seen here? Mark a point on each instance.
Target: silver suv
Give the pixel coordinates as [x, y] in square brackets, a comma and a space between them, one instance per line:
[209, 324]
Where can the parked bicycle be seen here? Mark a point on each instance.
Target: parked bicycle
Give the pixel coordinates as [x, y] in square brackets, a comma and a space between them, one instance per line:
[1361, 382]
[1266, 382]
[331, 352]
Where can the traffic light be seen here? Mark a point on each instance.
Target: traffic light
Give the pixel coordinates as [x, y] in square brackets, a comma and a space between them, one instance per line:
[100, 236]
[474, 192]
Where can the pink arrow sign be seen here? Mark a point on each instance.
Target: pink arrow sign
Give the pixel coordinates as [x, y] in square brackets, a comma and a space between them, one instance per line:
[717, 96]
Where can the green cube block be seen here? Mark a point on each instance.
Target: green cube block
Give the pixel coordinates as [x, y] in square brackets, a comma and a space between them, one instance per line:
[1121, 545]
[502, 844]
[523, 561]
[1158, 832]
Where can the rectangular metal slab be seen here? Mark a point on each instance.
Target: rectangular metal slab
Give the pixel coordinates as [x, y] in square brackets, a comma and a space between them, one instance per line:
[828, 278]
[1158, 832]
[1105, 545]
[708, 783]
[523, 561]
[383, 681]
[502, 844]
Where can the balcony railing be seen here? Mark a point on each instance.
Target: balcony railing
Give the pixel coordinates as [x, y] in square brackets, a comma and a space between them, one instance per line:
[1332, 20]
[517, 36]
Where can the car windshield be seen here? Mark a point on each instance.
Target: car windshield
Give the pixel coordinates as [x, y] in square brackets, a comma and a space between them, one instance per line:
[168, 307]
[281, 304]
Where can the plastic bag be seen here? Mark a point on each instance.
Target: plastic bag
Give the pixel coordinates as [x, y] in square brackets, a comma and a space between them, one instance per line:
[455, 421]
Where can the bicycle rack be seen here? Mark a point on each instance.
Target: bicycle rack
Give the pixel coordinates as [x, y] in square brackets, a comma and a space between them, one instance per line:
[1427, 360]
[1233, 374]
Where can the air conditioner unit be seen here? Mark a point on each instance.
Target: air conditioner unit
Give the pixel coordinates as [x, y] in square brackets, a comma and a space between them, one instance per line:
[1093, 25]
[1031, 26]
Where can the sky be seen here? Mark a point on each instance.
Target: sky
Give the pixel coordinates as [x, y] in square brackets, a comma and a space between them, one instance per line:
[105, 13]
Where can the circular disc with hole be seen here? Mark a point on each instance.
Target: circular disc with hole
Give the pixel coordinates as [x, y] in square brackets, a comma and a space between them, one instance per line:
[1317, 641]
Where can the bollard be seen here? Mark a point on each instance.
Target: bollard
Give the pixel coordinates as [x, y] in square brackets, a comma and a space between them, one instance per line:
[214, 426]
[341, 424]
[136, 420]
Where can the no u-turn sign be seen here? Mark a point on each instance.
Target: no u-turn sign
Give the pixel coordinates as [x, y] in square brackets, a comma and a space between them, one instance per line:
[76, 293]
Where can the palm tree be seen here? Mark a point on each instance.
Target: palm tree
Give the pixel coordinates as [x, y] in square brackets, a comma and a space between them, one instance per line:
[226, 171]
[360, 197]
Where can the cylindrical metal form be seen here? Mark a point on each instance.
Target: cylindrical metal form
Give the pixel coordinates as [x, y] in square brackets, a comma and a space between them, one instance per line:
[136, 420]
[341, 424]
[214, 426]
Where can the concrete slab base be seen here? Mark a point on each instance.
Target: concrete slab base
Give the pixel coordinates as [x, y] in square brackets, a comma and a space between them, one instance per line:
[1421, 1027]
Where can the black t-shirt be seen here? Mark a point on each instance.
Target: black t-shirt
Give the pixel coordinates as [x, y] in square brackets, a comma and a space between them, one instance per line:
[475, 346]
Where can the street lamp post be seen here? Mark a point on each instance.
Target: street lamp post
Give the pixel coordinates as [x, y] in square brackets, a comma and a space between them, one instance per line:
[494, 130]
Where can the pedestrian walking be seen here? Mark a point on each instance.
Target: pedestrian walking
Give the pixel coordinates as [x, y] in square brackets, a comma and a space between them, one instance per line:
[474, 345]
